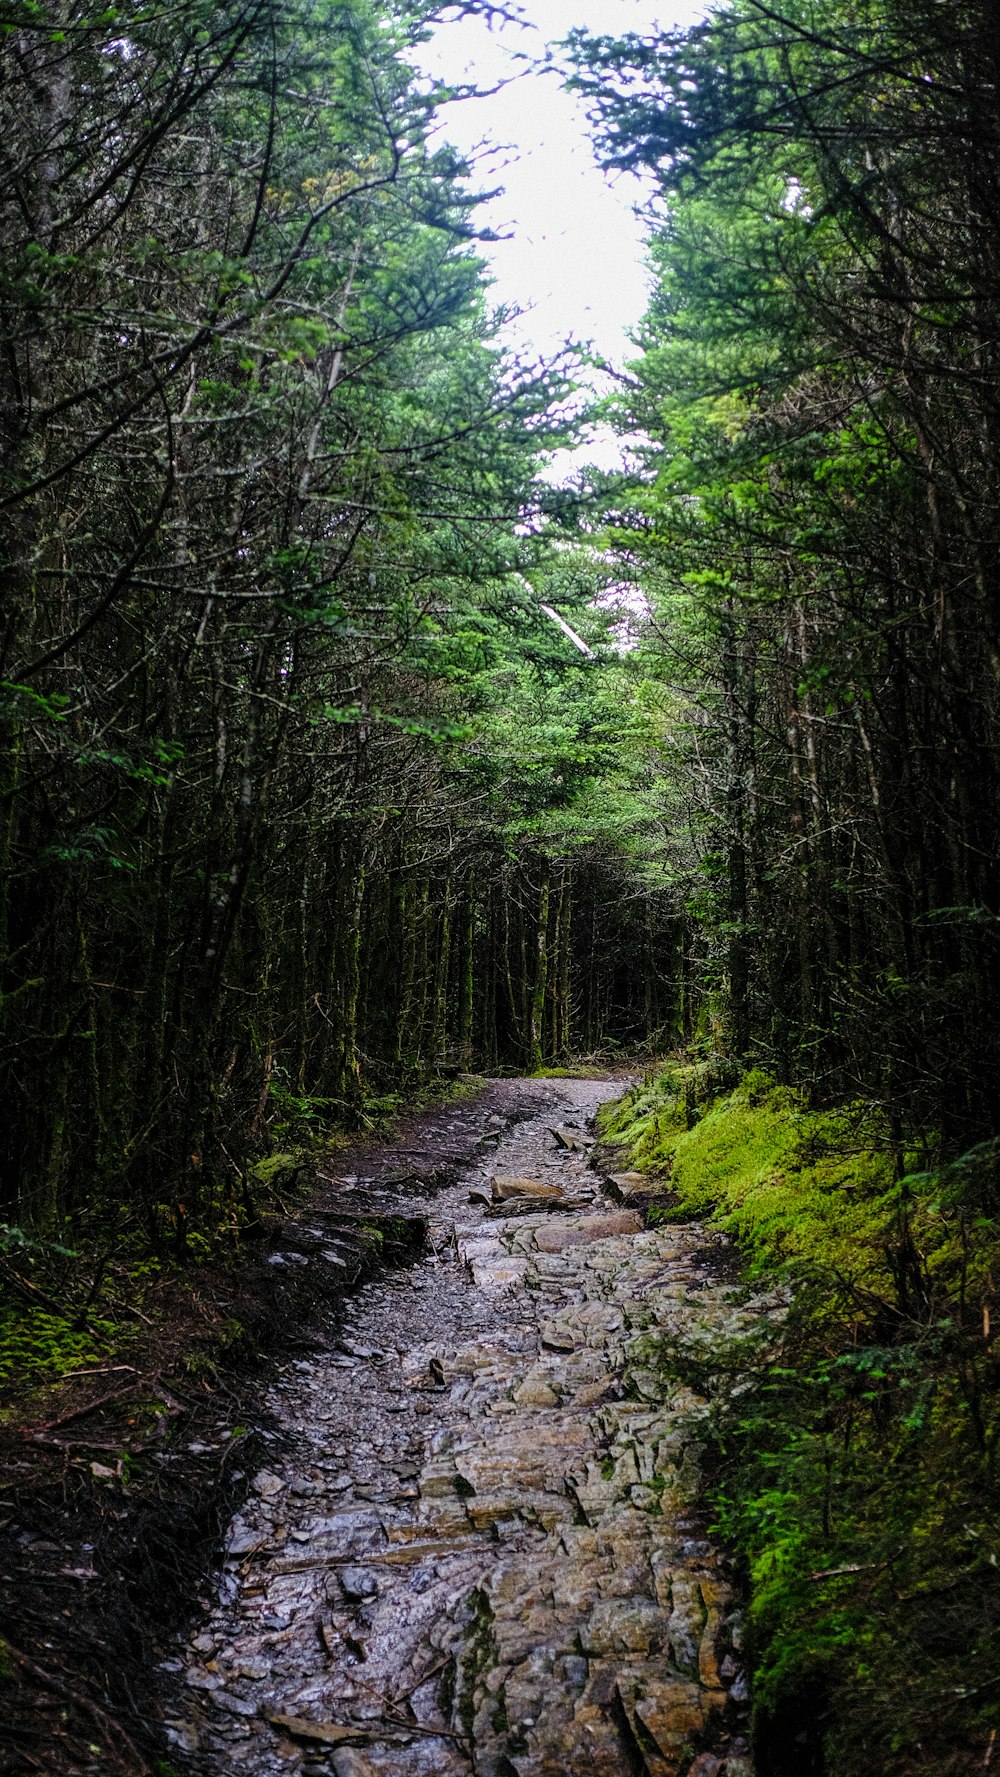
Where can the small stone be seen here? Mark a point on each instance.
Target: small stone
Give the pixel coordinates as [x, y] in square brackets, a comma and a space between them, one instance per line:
[644, 1498]
[267, 1484]
[570, 1139]
[647, 1385]
[182, 1734]
[625, 1185]
[234, 1705]
[575, 1668]
[358, 1583]
[349, 1762]
[242, 1539]
[534, 1391]
[200, 1680]
[254, 1667]
[624, 1626]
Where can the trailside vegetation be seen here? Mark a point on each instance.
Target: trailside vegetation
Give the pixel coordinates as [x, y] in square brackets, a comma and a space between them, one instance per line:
[290, 748]
[856, 1434]
[812, 411]
[307, 801]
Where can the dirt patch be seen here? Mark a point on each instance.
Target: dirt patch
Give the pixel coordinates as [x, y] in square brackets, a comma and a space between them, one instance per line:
[116, 1485]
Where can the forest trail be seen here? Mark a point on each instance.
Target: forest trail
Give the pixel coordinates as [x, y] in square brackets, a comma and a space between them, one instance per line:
[477, 1547]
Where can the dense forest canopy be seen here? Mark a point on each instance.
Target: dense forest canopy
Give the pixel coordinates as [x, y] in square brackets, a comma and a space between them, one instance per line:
[299, 775]
[342, 750]
[306, 794]
[816, 522]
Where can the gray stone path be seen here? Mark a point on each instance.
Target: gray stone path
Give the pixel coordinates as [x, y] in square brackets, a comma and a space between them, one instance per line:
[480, 1550]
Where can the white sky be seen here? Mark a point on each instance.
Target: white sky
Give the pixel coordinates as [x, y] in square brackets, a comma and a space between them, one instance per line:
[575, 257]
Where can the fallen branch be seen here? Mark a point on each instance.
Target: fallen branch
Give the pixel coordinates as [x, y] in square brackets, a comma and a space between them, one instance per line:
[429, 1672]
[117, 1394]
[115, 1734]
[102, 1370]
[407, 1722]
[32, 1293]
[833, 1573]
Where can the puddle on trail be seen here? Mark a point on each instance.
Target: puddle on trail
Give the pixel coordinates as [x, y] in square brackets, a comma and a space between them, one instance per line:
[479, 1549]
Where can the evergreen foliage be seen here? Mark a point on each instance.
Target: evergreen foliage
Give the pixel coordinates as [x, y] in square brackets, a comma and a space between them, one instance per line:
[290, 747]
[813, 522]
[307, 800]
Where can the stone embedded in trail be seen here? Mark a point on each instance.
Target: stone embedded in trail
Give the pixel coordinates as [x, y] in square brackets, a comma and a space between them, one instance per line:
[571, 1140]
[358, 1582]
[349, 1762]
[555, 1237]
[267, 1484]
[539, 1598]
[535, 1391]
[624, 1186]
[505, 1187]
[329, 1732]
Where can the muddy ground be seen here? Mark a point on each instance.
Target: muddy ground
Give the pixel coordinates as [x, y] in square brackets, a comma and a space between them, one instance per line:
[98, 1569]
[459, 1508]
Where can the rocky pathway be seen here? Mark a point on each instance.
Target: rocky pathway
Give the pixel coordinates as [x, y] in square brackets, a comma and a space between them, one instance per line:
[480, 1549]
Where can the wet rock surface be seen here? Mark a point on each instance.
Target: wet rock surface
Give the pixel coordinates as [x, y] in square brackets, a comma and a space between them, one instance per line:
[477, 1546]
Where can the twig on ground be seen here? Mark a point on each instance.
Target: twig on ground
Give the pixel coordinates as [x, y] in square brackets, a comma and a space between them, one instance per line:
[117, 1394]
[34, 1295]
[116, 1736]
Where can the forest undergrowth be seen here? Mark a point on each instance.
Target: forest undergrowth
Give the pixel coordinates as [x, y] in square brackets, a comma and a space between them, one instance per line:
[110, 1300]
[856, 1434]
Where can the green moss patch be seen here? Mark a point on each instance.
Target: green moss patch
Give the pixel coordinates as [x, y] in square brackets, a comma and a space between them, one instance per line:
[858, 1477]
[38, 1347]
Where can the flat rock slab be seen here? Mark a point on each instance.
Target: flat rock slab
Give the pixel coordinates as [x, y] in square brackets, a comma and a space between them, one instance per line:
[476, 1547]
[555, 1237]
[508, 1185]
[624, 1187]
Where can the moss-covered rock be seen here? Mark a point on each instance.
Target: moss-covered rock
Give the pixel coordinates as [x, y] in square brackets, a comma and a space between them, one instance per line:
[284, 1175]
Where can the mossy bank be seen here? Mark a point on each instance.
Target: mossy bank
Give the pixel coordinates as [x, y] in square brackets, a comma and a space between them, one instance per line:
[856, 1471]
